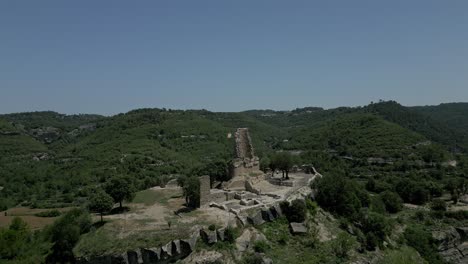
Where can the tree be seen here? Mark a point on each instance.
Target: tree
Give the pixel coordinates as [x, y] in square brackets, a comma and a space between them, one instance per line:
[100, 202]
[264, 164]
[282, 161]
[294, 212]
[421, 240]
[65, 233]
[392, 201]
[120, 188]
[191, 189]
[412, 192]
[14, 239]
[438, 205]
[342, 245]
[340, 195]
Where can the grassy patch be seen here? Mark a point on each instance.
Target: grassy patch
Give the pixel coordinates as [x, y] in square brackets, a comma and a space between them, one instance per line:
[404, 255]
[105, 241]
[285, 248]
[150, 197]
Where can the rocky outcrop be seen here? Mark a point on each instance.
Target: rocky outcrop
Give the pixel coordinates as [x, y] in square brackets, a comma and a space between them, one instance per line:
[248, 238]
[46, 134]
[452, 244]
[171, 252]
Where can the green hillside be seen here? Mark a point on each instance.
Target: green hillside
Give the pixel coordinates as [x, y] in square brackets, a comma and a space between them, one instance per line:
[425, 124]
[153, 145]
[453, 115]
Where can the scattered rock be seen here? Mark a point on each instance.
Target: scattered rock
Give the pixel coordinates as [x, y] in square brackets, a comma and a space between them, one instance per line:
[205, 257]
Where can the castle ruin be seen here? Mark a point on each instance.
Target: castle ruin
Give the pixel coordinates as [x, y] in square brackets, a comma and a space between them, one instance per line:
[245, 164]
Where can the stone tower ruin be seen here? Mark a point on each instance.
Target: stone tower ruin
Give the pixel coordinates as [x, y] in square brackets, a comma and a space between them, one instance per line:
[245, 162]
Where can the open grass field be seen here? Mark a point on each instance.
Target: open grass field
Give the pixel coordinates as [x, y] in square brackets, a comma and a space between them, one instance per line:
[161, 196]
[28, 215]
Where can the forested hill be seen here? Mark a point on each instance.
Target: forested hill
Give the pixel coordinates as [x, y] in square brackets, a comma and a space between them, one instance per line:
[453, 115]
[48, 158]
[446, 125]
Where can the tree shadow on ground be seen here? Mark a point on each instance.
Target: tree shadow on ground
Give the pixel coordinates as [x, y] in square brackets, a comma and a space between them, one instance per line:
[98, 224]
[119, 210]
[184, 210]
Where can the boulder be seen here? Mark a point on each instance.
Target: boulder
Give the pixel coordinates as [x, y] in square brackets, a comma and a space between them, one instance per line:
[176, 249]
[463, 248]
[297, 228]
[255, 236]
[463, 231]
[134, 257]
[210, 237]
[452, 255]
[256, 219]
[446, 239]
[241, 220]
[186, 247]
[166, 251]
[220, 232]
[267, 215]
[150, 255]
[276, 210]
[243, 241]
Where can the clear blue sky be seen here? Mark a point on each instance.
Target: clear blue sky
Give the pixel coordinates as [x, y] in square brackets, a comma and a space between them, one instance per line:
[113, 56]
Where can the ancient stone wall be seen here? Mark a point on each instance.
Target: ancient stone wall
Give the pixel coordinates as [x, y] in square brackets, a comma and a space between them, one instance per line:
[244, 148]
[205, 187]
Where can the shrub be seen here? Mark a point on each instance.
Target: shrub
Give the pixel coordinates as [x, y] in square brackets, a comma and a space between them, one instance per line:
[212, 227]
[311, 207]
[412, 192]
[377, 205]
[252, 259]
[297, 211]
[294, 212]
[230, 234]
[342, 245]
[438, 205]
[421, 240]
[458, 215]
[375, 227]
[51, 213]
[340, 195]
[392, 201]
[65, 233]
[261, 246]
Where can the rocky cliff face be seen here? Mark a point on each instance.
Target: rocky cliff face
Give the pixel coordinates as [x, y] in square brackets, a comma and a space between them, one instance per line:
[453, 244]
